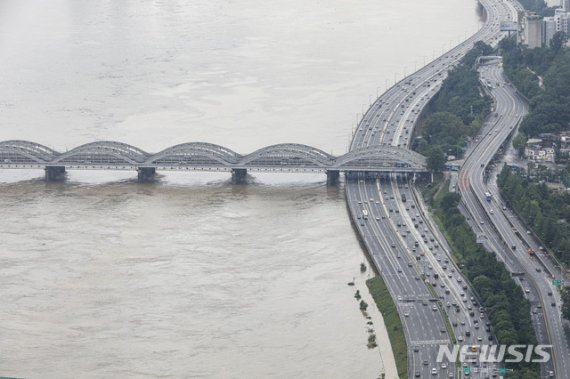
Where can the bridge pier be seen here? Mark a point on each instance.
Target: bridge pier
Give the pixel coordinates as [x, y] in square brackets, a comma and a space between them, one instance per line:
[239, 175]
[53, 173]
[145, 174]
[332, 177]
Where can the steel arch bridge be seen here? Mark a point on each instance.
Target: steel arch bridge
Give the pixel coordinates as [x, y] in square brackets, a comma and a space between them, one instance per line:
[200, 156]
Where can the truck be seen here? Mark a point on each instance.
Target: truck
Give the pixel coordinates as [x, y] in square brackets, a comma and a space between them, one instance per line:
[530, 251]
[488, 196]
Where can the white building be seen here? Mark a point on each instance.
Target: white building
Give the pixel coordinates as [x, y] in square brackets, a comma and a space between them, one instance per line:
[532, 34]
[560, 22]
[536, 153]
[549, 29]
[565, 142]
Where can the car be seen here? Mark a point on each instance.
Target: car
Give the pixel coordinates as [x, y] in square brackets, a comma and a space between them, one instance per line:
[425, 362]
[406, 314]
[527, 290]
[417, 374]
[434, 308]
[433, 371]
[553, 304]
[444, 365]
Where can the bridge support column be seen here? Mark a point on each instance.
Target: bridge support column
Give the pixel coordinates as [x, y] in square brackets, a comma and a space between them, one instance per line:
[239, 175]
[332, 177]
[53, 173]
[145, 174]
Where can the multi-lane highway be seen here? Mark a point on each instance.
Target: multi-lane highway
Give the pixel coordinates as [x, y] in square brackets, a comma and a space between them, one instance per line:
[506, 235]
[401, 240]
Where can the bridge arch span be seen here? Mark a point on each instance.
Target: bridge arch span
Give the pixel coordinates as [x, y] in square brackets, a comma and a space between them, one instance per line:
[287, 154]
[382, 156]
[195, 153]
[107, 153]
[25, 152]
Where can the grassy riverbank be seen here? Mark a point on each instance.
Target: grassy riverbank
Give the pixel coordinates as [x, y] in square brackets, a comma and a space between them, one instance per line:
[394, 326]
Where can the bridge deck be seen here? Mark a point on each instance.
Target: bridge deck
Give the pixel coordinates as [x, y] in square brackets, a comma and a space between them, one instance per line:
[198, 156]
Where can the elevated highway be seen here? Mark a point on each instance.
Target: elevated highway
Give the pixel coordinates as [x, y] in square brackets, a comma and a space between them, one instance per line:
[506, 235]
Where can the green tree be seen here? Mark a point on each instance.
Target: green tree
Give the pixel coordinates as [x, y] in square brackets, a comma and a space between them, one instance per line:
[519, 143]
[566, 302]
[436, 159]
[558, 40]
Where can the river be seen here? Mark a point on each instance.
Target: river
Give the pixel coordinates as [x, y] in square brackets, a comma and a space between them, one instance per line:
[191, 276]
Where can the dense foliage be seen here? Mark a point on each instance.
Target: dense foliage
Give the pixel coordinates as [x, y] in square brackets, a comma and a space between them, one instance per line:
[456, 112]
[566, 303]
[546, 212]
[506, 306]
[550, 105]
